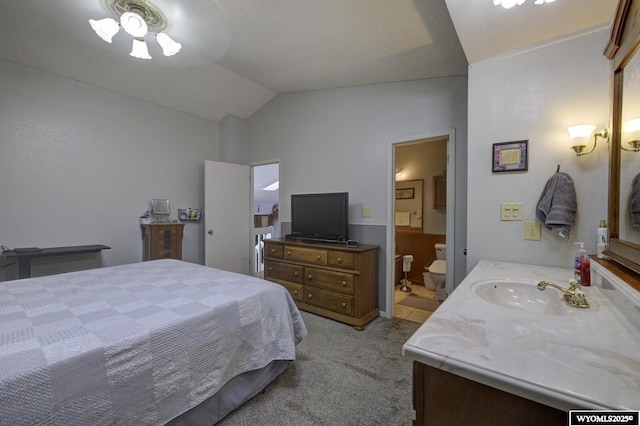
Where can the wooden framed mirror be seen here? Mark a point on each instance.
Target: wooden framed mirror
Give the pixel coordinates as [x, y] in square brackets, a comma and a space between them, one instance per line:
[622, 49]
[409, 204]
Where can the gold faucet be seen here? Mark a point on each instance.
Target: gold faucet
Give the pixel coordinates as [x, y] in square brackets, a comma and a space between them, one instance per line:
[573, 296]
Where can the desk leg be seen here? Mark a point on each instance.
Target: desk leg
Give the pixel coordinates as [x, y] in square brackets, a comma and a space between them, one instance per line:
[24, 267]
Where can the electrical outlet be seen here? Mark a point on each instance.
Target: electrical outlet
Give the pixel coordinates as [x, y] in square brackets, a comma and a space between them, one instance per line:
[532, 230]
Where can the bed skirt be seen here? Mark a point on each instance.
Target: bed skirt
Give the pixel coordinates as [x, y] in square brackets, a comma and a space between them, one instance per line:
[232, 395]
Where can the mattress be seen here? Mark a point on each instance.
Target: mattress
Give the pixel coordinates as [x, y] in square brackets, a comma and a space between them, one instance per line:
[135, 344]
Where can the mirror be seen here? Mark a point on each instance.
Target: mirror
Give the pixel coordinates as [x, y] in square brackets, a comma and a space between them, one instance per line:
[629, 218]
[409, 204]
[624, 235]
[160, 207]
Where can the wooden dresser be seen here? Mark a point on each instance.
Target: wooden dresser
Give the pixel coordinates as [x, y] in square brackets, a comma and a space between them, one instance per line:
[331, 280]
[162, 241]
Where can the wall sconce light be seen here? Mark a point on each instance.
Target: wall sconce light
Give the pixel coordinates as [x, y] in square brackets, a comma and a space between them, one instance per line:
[631, 130]
[579, 137]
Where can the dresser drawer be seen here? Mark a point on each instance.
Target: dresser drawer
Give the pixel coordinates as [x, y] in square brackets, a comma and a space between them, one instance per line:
[164, 254]
[305, 255]
[164, 232]
[295, 290]
[329, 300]
[341, 259]
[273, 250]
[283, 271]
[330, 280]
[164, 243]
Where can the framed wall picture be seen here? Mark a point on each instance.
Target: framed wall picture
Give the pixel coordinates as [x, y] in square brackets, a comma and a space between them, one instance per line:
[510, 156]
[405, 193]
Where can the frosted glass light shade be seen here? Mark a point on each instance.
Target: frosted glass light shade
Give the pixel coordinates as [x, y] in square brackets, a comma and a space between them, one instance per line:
[133, 24]
[579, 135]
[631, 129]
[169, 46]
[105, 28]
[139, 49]
[508, 4]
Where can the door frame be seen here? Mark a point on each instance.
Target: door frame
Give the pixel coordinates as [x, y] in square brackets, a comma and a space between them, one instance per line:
[450, 135]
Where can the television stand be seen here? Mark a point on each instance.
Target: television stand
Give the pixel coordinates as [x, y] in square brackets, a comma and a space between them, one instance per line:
[335, 281]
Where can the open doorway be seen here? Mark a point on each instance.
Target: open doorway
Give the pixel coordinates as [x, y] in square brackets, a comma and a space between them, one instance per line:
[420, 226]
[422, 167]
[265, 221]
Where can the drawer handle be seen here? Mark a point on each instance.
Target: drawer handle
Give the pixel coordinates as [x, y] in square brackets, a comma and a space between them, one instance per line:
[295, 291]
[310, 296]
[296, 273]
[318, 257]
[270, 268]
[310, 276]
[344, 305]
[344, 283]
[288, 253]
[272, 250]
[339, 260]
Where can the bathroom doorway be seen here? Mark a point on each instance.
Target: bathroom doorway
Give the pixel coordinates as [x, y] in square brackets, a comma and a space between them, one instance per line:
[421, 216]
[265, 220]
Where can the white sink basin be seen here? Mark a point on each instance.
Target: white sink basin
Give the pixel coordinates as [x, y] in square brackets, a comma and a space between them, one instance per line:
[521, 296]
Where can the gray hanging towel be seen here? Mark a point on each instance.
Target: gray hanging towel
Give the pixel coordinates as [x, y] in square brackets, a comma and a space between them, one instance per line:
[634, 202]
[557, 206]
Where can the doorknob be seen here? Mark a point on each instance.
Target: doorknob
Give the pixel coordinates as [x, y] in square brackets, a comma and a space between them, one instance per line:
[210, 232]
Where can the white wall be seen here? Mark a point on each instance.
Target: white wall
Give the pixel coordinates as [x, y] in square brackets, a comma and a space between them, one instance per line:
[535, 95]
[338, 140]
[78, 165]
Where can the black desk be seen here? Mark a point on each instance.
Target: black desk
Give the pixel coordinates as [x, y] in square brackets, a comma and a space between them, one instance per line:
[24, 259]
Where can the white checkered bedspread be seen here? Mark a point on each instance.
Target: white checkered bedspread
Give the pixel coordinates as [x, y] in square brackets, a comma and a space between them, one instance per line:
[134, 344]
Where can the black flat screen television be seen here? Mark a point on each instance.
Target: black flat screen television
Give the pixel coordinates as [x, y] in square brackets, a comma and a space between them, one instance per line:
[320, 217]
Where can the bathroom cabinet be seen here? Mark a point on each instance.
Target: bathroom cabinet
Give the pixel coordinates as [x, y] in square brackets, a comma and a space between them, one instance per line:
[443, 398]
[332, 280]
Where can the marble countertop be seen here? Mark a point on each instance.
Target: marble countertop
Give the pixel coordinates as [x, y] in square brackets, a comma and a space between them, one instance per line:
[588, 358]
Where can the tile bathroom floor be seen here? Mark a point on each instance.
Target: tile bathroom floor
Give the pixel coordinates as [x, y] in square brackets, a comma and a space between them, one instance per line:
[407, 312]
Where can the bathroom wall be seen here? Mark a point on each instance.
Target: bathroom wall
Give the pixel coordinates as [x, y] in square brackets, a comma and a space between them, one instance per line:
[535, 94]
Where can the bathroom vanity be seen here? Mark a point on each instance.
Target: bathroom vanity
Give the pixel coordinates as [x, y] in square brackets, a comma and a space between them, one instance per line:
[500, 350]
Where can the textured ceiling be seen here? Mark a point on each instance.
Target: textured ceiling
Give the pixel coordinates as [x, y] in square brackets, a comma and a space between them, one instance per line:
[238, 54]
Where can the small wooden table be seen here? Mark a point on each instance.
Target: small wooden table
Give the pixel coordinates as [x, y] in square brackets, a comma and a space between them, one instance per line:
[24, 257]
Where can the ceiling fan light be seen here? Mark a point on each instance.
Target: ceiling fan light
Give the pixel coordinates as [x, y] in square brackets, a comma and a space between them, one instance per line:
[105, 28]
[169, 46]
[508, 4]
[139, 49]
[134, 24]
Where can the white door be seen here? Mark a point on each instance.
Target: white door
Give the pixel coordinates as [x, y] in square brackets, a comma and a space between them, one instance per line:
[227, 219]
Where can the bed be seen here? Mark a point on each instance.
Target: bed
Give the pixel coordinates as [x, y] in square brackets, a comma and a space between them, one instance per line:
[142, 344]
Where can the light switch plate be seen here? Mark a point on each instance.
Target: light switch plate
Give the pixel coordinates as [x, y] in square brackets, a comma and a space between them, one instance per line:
[511, 211]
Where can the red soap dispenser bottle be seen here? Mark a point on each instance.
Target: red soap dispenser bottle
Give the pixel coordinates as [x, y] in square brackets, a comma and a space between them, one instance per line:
[585, 270]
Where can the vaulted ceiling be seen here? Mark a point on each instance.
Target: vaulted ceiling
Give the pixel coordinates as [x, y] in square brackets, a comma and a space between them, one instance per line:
[238, 54]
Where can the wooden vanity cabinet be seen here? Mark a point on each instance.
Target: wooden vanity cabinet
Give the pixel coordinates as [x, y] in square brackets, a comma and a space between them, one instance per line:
[331, 280]
[443, 398]
[162, 241]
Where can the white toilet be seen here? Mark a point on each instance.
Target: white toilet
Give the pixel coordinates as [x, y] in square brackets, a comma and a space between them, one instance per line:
[436, 276]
